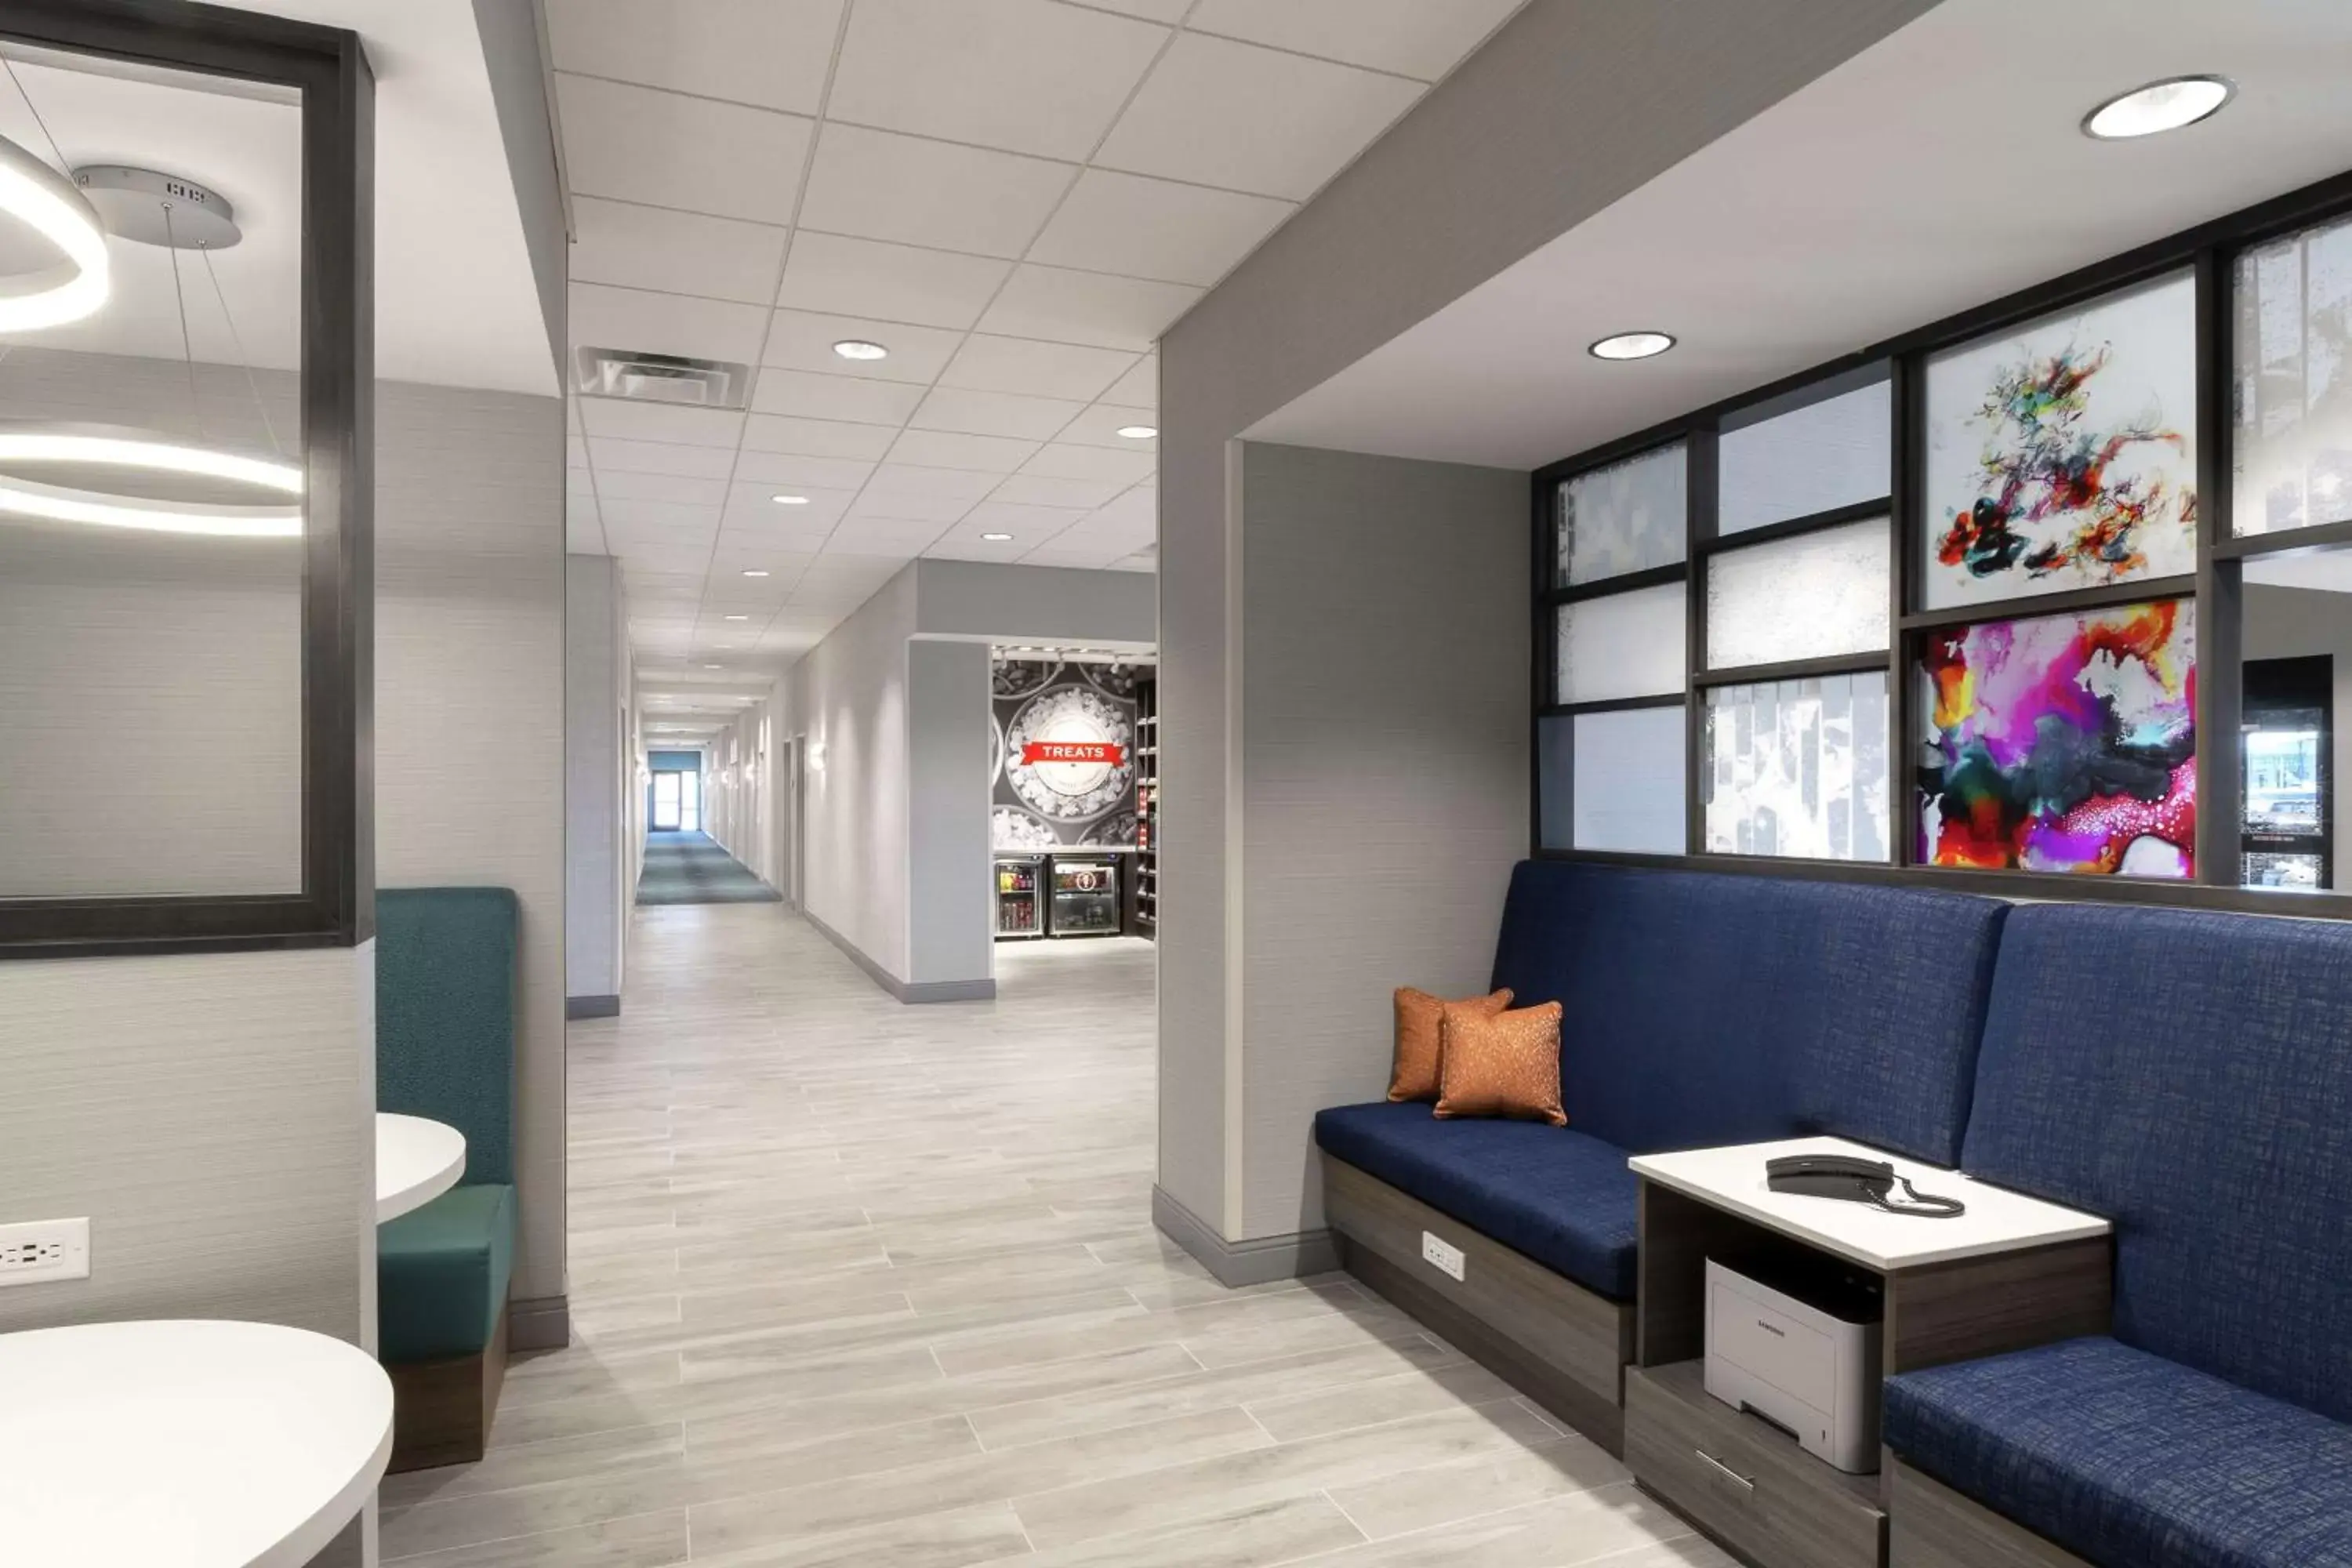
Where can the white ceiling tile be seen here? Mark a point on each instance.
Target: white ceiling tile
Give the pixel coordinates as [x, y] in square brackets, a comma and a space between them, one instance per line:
[1086, 308]
[889, 282]
[1100, 426]
[962, 544]
[754, 507]
[660, 487]
[581, 506]
[877, 185]
[1156, 228]
[681, 253]
[803, 341]
[638, 321]
[1139, 388]
[995, 414]
[768, 52]
[575, 452]
[1169, 11]
[661, 422]
[891, 537]
[1140, 505]
[618, 456]
[816, 437]
[636, 144]
[943, 450]
[1066, 460]
[1138, 561]
[1246, 119]
[785, 469]
[839, 398]
[1031, 523]
[894, 484]
[1410, 37]
[1027, 75]
[1040, 370]
[584, 537]
[1084, 557]
[1036, 489]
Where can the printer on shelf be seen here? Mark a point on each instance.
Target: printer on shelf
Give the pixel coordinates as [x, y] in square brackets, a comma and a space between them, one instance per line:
[1801, 1352]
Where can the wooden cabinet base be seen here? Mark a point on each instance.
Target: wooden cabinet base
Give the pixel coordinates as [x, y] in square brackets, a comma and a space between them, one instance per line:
[441, 1410]
[1561, 1343]
[1935, 1526]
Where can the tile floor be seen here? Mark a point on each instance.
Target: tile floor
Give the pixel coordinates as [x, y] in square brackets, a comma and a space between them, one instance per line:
[859, 1283]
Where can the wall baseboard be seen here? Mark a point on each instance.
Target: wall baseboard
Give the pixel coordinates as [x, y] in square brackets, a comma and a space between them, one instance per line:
[917, 990]
[591, 1007]
[1251, 1262]
[538, 1324]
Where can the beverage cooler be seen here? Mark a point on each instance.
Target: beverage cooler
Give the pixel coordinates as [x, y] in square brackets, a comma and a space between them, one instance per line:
[1019, 910]
[1086, 896]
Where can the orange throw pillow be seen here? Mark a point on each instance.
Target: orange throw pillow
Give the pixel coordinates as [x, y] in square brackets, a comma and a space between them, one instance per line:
[1501, 1063]
[1421, 1040]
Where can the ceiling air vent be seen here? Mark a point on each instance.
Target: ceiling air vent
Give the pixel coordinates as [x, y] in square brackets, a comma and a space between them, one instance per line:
[664, 378]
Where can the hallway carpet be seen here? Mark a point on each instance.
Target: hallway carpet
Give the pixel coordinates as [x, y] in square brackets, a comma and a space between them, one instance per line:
[861, 1285]
[691, 868]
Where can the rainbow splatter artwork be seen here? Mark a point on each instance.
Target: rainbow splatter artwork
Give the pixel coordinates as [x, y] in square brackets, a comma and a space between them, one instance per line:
[2063, 744]
[2061, 456]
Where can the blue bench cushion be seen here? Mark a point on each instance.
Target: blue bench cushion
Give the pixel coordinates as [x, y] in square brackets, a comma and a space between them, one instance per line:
[1560, 1197]
[2189, 1077]
[1701, 1009]
[2130, 1460]
[445, 1015]
[442, 1273]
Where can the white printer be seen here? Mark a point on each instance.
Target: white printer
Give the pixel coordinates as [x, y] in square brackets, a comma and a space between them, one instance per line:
[1802, 1353]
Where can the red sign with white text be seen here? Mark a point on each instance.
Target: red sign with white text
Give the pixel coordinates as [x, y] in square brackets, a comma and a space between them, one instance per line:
[1106, 753]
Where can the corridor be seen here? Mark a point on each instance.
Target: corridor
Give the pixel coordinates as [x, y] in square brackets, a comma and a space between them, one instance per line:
[691, 867]
[857, 1282]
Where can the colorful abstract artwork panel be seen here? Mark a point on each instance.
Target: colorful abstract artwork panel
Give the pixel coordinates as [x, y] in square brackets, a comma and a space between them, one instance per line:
[1628, 517]
[2063, 744]
[2063, 455]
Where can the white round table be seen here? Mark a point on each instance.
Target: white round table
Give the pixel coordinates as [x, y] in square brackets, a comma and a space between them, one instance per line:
[201, 1444]
[416, 1162]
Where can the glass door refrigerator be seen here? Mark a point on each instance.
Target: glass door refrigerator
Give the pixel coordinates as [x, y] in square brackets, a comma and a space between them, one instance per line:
[1086, 896]
[2287, 839]
[1020, 907]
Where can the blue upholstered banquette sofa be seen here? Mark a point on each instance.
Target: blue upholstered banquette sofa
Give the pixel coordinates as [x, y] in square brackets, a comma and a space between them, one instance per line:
[444, 1050]
[2188, 1076]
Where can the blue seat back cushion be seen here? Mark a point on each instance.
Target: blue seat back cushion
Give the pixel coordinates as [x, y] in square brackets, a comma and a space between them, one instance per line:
[2189, 1077]
[445, 1015]
[1701, 1009]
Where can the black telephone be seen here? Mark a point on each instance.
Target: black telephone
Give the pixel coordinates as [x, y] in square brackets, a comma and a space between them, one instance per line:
[1856, 1181]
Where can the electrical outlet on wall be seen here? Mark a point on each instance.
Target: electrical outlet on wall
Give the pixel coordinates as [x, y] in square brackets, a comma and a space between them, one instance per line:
[1442, 1256]
[43, 1249]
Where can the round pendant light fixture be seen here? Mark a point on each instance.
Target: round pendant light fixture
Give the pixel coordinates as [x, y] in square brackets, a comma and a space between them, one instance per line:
[1138, 432]
[22, 448]
[1632, 345]
[860, 349]
[2160, 106]
[47, 202]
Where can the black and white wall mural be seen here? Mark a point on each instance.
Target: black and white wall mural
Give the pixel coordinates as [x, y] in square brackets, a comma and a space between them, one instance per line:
[1062, 759]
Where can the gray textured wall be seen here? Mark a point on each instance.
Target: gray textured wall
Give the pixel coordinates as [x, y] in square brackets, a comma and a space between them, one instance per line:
[595, 676]
[1573, 104]
[949, 916]
[469, 715]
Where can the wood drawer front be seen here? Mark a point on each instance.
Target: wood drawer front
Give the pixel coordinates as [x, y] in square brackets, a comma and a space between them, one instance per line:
[1586, 1336]
[1737, 1478]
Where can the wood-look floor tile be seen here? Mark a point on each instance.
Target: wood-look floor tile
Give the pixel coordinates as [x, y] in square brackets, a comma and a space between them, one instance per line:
[951, 1540]
[1486, 1483]
[1605, 1529]
[641, 1540]
[1258, 1536]
[1290, 1417]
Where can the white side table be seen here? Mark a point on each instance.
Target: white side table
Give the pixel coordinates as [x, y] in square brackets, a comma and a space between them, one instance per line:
[198, 1444]
[416, 1162]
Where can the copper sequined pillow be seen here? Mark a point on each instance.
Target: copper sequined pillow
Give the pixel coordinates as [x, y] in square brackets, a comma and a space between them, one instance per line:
[1420, 1040]
[1501, 1063]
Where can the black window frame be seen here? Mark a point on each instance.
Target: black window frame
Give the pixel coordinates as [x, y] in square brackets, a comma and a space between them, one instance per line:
[2210, 251]
[335, 906]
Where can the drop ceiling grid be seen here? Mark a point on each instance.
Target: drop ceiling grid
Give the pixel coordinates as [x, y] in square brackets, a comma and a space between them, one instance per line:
[1104, 163]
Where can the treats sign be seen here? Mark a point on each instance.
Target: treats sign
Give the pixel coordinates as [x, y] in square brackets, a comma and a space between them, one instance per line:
[1097, 753]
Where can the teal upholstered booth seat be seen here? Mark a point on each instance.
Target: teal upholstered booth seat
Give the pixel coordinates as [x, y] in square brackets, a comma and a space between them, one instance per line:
[445, 972]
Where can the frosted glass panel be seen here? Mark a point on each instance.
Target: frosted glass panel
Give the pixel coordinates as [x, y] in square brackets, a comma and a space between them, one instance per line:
[1629, 780]
[2293, 335]
[1807, 597]
[1627, 644]
[1798, 768]
[1628, 517]
[1823, 456]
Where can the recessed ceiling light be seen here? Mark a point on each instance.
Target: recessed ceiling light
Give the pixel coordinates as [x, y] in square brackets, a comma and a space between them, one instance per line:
[1632, 345]
[790, 500]
[858, 348]
[714, 667]
[755, 572]
[739, 618]
[2165, 105]
[1138, 432]
[997, 537]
